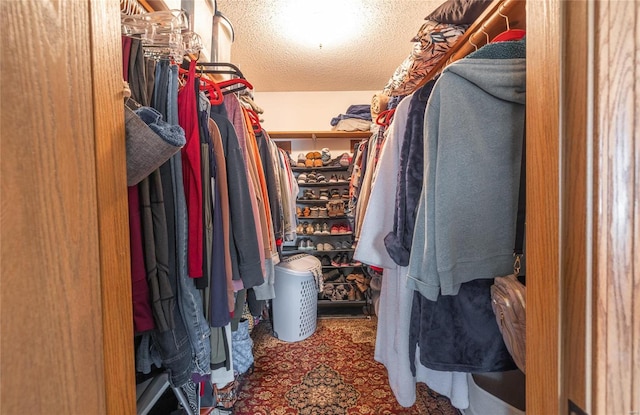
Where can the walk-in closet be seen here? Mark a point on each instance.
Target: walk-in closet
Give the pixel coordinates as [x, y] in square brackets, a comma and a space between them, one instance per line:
[191, 228]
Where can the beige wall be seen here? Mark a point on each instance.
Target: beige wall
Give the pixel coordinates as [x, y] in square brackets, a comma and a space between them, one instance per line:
[306, 111]
[309, 111]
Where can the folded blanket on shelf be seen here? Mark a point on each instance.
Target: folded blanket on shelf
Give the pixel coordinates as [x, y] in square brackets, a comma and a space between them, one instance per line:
[359, 111]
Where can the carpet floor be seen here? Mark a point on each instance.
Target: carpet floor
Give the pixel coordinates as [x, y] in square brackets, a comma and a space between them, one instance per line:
[332, 372]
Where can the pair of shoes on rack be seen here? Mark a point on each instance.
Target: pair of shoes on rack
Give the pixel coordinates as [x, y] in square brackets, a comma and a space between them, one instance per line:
[311, 178]
[344, 260]
[325, 246]
[336, 292]
[331, 275]
[335, 207]
[343, 160]
[306, 245]
[313, 159]
[304, 212]
[309, 194]
[324, 229]
[339, 178]
[301, 160]
[340, 229]
[309, 212]
[361, 281]
[340, 260]
[305, 228]
[325, 156]
[343, 245]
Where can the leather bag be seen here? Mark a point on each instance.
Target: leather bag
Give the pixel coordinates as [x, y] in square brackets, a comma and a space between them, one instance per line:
[508, 300]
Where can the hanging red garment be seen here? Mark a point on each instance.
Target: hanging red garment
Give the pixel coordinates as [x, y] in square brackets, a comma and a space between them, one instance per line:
[191, 170]
[509, 35]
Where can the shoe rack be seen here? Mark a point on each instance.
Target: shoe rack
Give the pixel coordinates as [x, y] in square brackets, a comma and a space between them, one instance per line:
[325, 230]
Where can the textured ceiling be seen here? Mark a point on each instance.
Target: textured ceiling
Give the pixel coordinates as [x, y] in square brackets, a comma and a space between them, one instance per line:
[271, 61]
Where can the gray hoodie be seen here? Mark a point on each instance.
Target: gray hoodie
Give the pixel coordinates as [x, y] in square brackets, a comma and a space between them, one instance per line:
[474, 125]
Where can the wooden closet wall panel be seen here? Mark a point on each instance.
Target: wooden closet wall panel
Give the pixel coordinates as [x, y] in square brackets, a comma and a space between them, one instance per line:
[542, 235]
[576, 207]
[617, 292]
[52, 343]
[113, 221]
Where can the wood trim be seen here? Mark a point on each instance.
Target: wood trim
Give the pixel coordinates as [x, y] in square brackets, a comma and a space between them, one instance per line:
[52, 326]
[305, 135]
[542, 238]
[112, 209]
[616, 387]
[576, 207]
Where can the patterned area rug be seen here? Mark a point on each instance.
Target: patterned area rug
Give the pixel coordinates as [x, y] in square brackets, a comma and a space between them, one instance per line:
[330, 373]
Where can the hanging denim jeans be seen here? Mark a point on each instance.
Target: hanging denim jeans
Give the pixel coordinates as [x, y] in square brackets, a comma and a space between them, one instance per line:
[189, 298]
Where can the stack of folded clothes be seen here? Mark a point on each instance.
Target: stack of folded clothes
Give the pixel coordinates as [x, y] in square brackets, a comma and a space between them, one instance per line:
[357, 118]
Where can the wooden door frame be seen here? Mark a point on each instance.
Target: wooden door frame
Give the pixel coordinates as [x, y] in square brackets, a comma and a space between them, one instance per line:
[113, 214]
[543, 205]
[583, 232]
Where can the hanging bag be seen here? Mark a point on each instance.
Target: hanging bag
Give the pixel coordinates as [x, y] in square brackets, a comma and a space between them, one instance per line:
[242, 348]
[150, 141]
[508, 294]
[508, 300]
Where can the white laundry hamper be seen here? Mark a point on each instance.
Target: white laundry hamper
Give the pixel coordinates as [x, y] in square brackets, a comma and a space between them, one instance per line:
[498, 393]
[295, 306]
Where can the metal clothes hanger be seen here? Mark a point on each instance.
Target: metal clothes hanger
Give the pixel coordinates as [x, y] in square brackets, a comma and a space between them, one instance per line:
[509, 34]
[231, 69]
[471, 41]
[482, 29]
